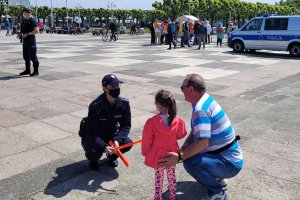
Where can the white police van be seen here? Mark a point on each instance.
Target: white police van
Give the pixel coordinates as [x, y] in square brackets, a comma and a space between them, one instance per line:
[269, 32]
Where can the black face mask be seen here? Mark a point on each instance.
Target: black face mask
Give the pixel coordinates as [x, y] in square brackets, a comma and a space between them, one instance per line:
[114, 93]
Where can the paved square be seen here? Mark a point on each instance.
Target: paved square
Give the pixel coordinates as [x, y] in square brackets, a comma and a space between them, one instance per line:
[40, 151]
[207, 73]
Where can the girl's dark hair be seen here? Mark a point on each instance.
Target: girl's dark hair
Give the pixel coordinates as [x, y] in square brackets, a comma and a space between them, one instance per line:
[166, 99]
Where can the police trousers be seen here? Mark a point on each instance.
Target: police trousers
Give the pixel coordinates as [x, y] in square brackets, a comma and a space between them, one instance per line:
[29, 52]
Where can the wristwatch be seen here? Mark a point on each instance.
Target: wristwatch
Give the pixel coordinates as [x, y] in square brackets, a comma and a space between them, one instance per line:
[179, 158]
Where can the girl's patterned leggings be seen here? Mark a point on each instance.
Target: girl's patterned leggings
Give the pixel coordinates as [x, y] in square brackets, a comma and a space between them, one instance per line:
[159, 180]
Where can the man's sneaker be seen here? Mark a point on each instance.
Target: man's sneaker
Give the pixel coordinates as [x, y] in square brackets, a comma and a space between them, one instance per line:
[35, 73]
[220, 196]
[222, 182]
[94, 165]
[26, 72]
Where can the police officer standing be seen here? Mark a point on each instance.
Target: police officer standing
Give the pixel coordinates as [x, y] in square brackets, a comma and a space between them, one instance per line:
[29, 28]
[109, 119]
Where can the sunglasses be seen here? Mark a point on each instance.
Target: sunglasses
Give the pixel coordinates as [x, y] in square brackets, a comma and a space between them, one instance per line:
[182, 87]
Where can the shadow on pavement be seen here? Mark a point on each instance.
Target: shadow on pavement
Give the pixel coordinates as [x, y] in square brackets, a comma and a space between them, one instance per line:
[187, 190]
[103, 180]
[6, 78]
[264, 54]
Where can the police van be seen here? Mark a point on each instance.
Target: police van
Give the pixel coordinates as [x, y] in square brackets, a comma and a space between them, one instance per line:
[269, 32]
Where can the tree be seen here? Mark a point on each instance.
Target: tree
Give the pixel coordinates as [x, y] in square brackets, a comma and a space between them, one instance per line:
[137, 14]
[44, 12]
[100, 14]
[17, 11]
[291, 3]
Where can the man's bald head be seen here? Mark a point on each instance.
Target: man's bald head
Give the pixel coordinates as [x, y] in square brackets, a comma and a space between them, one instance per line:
[196, 81]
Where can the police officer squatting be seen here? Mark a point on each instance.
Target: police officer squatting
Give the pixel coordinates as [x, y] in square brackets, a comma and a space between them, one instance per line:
[109, 119]
[29, 28]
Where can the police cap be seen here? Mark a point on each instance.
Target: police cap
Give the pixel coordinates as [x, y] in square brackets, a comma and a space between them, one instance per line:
[110, 79]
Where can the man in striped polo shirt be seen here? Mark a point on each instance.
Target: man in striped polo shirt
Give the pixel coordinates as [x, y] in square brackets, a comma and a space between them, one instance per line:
[211, 151]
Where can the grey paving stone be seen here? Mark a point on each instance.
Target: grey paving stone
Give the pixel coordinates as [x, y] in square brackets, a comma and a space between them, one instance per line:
[40, 132]
[63, 106]
[251, 95]
[272, 166]
[10, 143]
[228, 65]
[67, 145]
[43, 176]
[231, 103]
[272, 98]
[80, 100]
[24, 161]
[282, 151]
[261, 186]
[252, 127]
[18, 101]
[64, 122]
[56, 76]
[81, 113]
[281, 137]
[10, 118]
[287, 91]
[38, 111]
[236, 116]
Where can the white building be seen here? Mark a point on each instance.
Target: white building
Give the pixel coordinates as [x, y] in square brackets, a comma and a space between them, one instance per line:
[25, 3]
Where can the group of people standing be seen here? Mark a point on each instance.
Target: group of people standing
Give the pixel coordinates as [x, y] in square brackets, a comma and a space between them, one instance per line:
[198, 32]
[163, 32]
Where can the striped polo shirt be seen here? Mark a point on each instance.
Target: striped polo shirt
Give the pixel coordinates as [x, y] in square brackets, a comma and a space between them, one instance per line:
[210, 121]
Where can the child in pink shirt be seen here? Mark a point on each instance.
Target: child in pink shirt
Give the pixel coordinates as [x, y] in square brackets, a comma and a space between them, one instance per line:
[160, 136]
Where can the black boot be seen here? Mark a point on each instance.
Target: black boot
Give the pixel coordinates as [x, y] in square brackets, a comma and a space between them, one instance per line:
[112, 161]
[26, 72]
[94, 165]
[35, 73]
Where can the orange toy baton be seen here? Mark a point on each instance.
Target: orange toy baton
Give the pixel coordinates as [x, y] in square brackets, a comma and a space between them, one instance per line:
[119, 153]
[122, 157]
[128, 144]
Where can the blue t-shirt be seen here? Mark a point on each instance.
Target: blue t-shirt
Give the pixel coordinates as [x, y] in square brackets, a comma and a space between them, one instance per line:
[7, 24]
[210, 121]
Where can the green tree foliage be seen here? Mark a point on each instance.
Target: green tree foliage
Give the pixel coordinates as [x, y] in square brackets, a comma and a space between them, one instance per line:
[224, 9]
[212, 10]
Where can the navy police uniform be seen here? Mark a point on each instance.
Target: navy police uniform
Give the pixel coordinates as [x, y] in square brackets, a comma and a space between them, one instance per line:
[29, 44]
[106, 122]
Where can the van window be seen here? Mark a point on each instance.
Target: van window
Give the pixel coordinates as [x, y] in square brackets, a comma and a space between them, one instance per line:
[277, 24]
[254, 25]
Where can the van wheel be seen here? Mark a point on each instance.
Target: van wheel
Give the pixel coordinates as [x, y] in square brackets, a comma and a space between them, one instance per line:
[238, 47]
[295, 50]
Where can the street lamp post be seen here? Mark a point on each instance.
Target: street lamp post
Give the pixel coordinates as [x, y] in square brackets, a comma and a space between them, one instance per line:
[36, 12]
[67, 13]
[78, 6]
[6, 9]
[51, 15]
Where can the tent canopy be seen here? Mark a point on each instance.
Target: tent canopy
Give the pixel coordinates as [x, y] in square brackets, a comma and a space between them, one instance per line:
[187, 17]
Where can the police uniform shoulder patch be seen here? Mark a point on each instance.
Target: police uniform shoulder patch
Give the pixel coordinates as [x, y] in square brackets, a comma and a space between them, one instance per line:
[124, 100]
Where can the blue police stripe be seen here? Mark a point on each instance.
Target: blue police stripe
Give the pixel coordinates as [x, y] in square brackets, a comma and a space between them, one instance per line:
[207, 103]
[222, 134]
[268, 37]
[250, 37]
